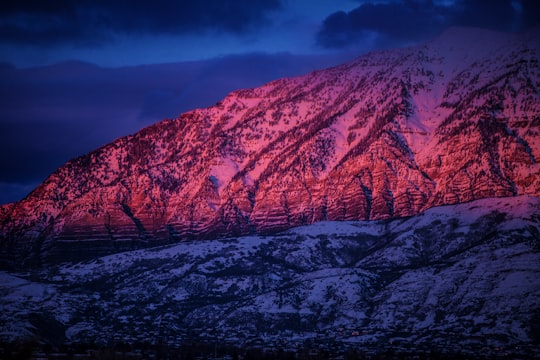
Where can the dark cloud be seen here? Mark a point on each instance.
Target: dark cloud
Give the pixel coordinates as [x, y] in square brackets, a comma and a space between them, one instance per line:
[408, 21]
[94, 22]
[51, 114]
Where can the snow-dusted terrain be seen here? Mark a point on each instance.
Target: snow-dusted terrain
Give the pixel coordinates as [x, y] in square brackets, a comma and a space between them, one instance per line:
[393, 201]
[460, 277]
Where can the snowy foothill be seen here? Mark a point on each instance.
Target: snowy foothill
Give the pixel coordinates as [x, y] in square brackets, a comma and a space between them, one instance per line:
[444, 277]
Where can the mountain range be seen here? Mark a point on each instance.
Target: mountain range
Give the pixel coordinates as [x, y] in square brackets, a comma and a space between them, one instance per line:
[388, 135]
[458, 279]
[394, 199]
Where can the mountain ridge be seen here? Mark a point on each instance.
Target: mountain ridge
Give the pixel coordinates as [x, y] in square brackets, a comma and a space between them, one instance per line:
[387, 135]
[460, 279]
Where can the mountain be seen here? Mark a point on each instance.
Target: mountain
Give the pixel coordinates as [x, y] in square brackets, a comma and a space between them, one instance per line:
[462, 279]
[388, 135]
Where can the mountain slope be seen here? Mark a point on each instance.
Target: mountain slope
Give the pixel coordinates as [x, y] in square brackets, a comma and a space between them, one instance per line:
[388, 135]
[464, 278]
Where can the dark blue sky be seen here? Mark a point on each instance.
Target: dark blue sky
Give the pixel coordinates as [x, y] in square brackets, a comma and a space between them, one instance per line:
[76, 74]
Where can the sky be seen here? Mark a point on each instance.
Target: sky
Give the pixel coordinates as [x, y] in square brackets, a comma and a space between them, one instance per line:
[77, 74]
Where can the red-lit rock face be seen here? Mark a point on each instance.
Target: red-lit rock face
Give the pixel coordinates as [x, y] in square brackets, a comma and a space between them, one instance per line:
[388, 135]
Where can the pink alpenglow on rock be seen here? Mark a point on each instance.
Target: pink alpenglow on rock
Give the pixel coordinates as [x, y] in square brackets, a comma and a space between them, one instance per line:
[388, 135]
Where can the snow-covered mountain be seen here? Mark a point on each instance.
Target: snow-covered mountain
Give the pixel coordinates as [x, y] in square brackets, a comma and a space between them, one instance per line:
[388, 135]
[458, 278]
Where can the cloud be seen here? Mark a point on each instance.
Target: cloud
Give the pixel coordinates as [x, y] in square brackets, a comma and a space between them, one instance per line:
[409, 21]
[95, 22]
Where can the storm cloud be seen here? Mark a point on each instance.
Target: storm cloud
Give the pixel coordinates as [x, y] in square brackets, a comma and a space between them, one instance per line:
[410, 21]
[96, 22]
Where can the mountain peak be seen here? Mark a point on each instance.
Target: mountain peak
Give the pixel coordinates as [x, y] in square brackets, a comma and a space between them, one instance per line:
[387, 135]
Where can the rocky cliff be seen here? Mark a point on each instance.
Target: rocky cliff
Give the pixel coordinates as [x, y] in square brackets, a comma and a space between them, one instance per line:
[388, 135]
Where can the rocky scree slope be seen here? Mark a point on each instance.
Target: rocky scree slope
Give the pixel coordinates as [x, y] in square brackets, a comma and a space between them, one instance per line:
[387, 135]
